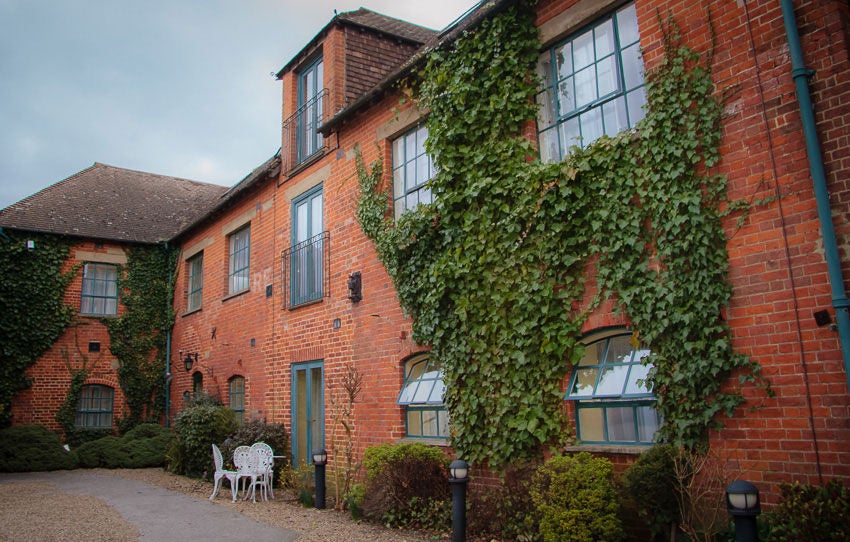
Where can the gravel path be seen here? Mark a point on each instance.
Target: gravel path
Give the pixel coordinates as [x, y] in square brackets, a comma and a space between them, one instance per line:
[37, 510]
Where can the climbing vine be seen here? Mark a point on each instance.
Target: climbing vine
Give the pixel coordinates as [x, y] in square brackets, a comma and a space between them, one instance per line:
[494, 272]
[138, 337]
[31, 302]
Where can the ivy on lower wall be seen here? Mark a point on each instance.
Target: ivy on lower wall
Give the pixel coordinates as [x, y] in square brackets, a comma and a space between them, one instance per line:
[31, 303]
[138, 338]
[494, 272]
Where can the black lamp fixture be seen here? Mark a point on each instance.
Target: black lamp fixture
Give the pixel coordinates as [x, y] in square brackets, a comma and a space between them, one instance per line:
[189, 360]
[742, 503]
[458, 477]
[320, 459]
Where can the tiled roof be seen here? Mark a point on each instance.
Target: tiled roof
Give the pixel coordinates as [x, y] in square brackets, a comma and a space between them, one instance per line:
[388, 25]
[270, 169]
[374, 21]
[111, 203]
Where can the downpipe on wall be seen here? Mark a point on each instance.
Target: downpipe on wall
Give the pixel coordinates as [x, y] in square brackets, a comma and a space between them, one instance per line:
[801, 77]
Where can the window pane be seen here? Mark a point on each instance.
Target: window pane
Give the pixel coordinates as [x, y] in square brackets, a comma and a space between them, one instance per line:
[429, 423]
[627, 25]
[647, 420]
[614, 114]
[636, 100]
[638, 372]
[564, 57]
[620, 424]
[566, 96]
[585, 381]
[632, 67]
[414, 423]
[604, 35]
[619, 349]
[583, 50]
[591, 126]
[612, 381]
[606, 76]
[570, 134]
[585, 82]
[590, 424]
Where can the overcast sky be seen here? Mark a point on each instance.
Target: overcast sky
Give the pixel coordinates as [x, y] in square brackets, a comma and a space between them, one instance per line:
[174, 87]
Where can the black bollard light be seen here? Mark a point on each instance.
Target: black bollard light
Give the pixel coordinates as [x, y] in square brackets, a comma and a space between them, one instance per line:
[742, 502]
[320, 459]
[458, 477]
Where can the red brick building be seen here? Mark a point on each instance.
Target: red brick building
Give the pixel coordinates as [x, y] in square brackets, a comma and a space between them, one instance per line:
[281, 293]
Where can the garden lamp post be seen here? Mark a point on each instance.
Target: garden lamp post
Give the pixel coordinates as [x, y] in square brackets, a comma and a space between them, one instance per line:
[742, 502]
[458, 477]
[320, 459]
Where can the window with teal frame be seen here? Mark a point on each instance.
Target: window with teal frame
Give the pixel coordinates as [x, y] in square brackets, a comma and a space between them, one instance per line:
[612, 404]
[412, 169]
[94, 407]
[593, 85]
[236, 397]
[196, 282]
[239, 265]
[422, 396]
[99, 295]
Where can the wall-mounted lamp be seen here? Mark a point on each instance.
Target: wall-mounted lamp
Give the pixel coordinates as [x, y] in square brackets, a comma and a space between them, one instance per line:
[189, 360]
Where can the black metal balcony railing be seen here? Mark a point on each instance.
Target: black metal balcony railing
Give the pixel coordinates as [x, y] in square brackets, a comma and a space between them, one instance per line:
[306, 270]
[301, 141]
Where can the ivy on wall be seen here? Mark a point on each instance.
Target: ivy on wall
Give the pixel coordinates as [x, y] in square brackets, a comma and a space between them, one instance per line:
[138, 337]
[493, 273]
[33, 312]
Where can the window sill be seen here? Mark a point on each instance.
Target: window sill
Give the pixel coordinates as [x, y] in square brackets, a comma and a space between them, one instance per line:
[306, 303]
[92, 315]
[234, 294]
[193, 311]
[620, 449]
[428, 441]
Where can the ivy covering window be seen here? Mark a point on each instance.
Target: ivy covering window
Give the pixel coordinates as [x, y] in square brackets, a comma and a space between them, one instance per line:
[613, 406]
[94, 407]
[239, 262]
[100, 290]
[422, 397]
[236, 394]
[593, 85]
[196, 281]
[412, 169]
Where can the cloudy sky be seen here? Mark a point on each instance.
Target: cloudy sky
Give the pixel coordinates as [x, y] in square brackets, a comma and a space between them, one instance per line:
[175, 87]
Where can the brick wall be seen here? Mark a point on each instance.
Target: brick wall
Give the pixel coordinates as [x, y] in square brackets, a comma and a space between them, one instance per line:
[51, 374]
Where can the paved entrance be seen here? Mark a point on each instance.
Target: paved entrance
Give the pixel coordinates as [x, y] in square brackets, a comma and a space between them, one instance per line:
[158, 513]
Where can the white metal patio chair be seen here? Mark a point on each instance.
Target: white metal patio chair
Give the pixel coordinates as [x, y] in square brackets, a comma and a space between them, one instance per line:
[243, 460]
[231, 475]
[265, 465]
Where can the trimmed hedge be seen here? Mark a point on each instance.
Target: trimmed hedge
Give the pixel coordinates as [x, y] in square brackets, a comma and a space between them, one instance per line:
[26, 448]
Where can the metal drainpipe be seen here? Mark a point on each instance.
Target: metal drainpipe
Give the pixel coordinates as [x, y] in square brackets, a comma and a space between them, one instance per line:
[168, 358]
[833, 263]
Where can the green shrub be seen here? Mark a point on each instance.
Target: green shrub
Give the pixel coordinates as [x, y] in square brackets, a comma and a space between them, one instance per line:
[407, 486]
[575, 500]
[143, 446]
[354, 501]
[810, 513]
[196, 429]
[651, 484]
[273, 434]
[26, 448]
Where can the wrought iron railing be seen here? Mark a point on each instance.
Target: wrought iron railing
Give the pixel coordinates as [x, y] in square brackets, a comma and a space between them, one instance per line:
[301, 141]
[306, 270]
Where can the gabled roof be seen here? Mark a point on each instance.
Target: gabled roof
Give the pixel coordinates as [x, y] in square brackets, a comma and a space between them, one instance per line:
[114, 204]
[466, 22]
[368, 19]
[268, 170]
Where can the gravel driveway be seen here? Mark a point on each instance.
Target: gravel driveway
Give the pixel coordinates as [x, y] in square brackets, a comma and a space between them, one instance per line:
[85, 505]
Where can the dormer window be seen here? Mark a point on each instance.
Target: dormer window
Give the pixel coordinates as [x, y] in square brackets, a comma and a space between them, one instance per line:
[310, 86]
